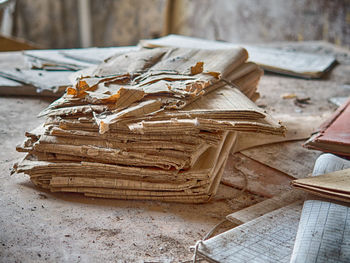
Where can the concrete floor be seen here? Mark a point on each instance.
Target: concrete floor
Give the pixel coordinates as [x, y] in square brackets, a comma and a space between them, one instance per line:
[38, 226]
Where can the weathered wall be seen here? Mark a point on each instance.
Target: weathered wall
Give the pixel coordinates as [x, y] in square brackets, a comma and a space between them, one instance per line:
[54, 24]
[48, 23]
[120, 22]
[264, 21]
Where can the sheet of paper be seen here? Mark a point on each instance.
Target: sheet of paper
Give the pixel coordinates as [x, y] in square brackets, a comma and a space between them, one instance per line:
[268, 238]
[95, 55]
[224, 100]
[54, 57]
[327, 163]
[54, 81]
[243, 172]
[323, 233]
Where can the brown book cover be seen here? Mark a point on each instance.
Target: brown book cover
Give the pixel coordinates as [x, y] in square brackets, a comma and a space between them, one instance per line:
[334, 134]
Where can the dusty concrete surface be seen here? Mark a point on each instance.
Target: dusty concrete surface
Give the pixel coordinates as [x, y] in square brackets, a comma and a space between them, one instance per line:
[38, 226]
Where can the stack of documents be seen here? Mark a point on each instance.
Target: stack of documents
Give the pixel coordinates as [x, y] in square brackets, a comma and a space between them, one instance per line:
[151, 124]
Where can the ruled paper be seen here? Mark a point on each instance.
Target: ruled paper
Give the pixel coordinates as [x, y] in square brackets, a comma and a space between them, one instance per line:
[268, 238]
[323, 234]
[324, 229]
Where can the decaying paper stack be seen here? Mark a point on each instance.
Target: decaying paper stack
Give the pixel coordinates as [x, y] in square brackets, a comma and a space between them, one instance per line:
[151, 124]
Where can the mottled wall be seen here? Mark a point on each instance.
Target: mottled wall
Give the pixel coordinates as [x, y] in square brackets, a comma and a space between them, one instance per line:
[54, 24]
[48, 23]
[264, 21]
[121, 22]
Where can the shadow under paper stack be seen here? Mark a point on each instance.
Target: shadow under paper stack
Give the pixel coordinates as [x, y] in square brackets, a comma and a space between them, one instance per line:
[154, 124]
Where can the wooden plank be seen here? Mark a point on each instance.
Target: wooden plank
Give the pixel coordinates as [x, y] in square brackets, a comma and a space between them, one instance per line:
[243, 172]
[14, 44]
[288, 157]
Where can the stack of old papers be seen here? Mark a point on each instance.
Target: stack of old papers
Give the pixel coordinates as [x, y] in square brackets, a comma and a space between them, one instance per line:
[151, 124]
[292, 63]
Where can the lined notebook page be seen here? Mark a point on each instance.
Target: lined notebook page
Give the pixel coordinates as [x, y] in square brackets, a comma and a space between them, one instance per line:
[323, 234]
[269, 238]
[324, 229]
